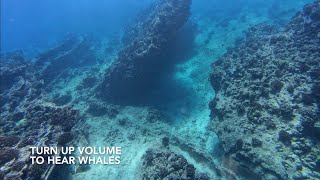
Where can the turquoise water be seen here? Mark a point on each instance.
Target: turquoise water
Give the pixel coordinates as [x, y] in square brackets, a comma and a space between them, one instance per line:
[181, 96]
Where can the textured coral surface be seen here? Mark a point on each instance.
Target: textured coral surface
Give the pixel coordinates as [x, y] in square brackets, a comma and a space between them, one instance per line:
[144, 56]
[27, 119]
[265, 110]
[266, 107]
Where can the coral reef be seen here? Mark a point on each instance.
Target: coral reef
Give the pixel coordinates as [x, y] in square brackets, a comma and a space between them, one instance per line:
[165, 164]
[18, 84]
[266, 106]
[74, 52]
[142, 59]
[8, 141]
[265, 111]
[44, 127]
[27, 119]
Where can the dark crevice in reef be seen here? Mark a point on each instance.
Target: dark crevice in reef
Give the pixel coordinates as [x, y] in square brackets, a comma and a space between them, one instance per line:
[144, 56]
[266, 107]
[165, 89]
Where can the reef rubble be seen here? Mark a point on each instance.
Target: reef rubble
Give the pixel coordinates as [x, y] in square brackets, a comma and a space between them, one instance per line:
[266, 105]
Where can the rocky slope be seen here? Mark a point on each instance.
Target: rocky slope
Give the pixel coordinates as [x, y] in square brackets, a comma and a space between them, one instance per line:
[27, 119]
[73, 52]
[142, 59]
[266, 108]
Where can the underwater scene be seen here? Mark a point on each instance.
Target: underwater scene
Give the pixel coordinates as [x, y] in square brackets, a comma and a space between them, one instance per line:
[160, 89]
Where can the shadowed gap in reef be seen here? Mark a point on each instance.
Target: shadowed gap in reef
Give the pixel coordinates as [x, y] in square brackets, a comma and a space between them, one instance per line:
[165, 89]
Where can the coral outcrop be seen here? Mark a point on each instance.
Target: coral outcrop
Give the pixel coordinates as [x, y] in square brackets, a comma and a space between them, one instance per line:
[27, 119]
[74, 52]
[266, 107]
[142, 59]
[165, 164]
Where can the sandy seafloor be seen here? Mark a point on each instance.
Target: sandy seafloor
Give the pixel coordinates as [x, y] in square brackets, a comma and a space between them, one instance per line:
[186, 117]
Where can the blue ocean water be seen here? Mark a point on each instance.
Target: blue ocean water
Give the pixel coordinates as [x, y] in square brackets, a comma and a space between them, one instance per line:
[39, 24]
[176, 106]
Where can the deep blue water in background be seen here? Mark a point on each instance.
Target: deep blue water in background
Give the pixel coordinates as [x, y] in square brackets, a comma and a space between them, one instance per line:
[38, 24]
[35, 25]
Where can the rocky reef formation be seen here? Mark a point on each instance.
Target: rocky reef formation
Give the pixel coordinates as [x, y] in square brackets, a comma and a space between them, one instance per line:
[266, 108]
[73, 52]
[142, 59]
[18, 84]
[165, 164]
[26, 119]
